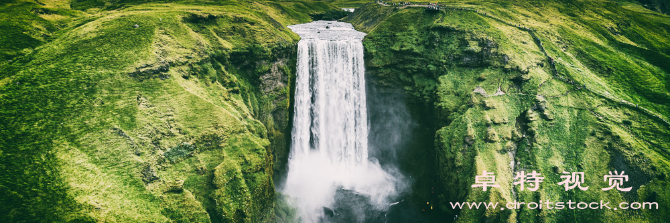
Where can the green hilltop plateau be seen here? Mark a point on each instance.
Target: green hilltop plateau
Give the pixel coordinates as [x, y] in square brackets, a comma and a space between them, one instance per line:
[180, 111]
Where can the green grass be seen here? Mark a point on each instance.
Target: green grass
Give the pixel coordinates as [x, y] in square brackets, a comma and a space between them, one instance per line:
[89, 109]
[440, 59]
[27, 25]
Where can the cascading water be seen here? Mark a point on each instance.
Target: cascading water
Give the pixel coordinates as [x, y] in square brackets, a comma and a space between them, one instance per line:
[329, 150]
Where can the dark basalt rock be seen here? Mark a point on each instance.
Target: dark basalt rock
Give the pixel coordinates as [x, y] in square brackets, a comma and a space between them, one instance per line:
[328, 212]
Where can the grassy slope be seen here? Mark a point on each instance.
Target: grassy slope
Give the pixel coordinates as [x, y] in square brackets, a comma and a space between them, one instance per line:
[541, 122]
[95, 111]
[25, 28]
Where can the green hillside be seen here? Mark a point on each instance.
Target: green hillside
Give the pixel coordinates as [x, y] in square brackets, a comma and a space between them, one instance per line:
[500, 104]
[179, 111]
[103, 120]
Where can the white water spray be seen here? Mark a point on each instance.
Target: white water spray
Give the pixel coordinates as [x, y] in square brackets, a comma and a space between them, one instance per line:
[329, 149]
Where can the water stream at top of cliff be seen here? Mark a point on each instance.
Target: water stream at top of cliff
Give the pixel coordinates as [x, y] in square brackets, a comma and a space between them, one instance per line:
[329, 166]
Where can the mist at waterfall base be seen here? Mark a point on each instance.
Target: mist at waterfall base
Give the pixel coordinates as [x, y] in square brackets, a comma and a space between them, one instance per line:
[342, 166]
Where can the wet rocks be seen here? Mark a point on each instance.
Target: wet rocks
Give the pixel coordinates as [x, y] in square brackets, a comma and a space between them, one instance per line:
[328, 212]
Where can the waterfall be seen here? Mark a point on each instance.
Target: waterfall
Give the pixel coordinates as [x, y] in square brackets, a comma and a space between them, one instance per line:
[329, 147]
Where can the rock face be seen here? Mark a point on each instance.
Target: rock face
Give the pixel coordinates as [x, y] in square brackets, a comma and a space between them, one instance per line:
[276, 89]
[542, 119]
[276, 79]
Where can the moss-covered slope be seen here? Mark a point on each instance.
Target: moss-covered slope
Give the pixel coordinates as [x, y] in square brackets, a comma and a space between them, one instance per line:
[575, 86]
[153, 112]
